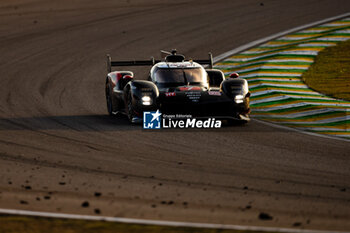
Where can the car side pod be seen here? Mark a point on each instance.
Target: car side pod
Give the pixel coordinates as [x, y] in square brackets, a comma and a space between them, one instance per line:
[215, 76]
[233, 87]
[140, 96]
[237, 90]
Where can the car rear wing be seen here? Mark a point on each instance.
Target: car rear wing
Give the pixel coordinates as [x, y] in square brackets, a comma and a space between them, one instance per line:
[208, 62]
[150, 62]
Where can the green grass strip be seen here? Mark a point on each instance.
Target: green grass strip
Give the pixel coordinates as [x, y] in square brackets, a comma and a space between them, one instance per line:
[291, 63]
[269, 87]
[285, 110]
[338, 123]
[274, 81]
[270, 76]
[259, 69]
[273, 94]
[330, 74]
[275, 70]
[286, 62]
[274, 56]
[313, 117]
[347, 133]
[291, 100]
[22, 224]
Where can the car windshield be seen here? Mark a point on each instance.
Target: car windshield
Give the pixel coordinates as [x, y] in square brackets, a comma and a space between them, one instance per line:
[181, 75]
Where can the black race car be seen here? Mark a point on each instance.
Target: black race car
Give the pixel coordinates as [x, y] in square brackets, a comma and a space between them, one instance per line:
[176, 86]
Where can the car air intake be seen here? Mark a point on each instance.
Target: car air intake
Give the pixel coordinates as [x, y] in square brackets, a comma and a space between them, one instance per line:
[175, 58]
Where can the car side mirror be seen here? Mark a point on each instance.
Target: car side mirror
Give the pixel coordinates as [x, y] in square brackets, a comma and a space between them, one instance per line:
[234, 75]
[248, 95]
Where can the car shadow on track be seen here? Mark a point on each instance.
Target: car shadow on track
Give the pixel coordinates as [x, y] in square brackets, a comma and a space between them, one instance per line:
[75, 122]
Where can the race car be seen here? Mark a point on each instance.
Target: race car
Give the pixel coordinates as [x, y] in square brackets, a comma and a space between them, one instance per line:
[176, 86]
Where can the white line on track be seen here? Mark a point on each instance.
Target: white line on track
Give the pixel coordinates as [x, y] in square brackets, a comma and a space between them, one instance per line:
[200, 225]
[274, 36]
[301, 131]
[158, 222]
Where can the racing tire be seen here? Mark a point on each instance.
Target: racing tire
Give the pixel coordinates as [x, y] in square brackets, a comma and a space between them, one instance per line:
[109, 101]
[129, 107]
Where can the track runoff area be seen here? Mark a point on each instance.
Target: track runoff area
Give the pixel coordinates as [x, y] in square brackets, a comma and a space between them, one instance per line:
[273, 70]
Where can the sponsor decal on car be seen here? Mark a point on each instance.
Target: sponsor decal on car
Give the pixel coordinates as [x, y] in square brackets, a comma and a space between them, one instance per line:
[194, 96]
[155, 120]
[168, 94]
[190, 88]
[216, 93]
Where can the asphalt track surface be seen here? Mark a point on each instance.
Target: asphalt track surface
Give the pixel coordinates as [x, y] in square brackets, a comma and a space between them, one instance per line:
[58, 148]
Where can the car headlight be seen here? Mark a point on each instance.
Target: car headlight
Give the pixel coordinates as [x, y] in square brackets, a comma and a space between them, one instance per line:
[146, 100]
[239, 99]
